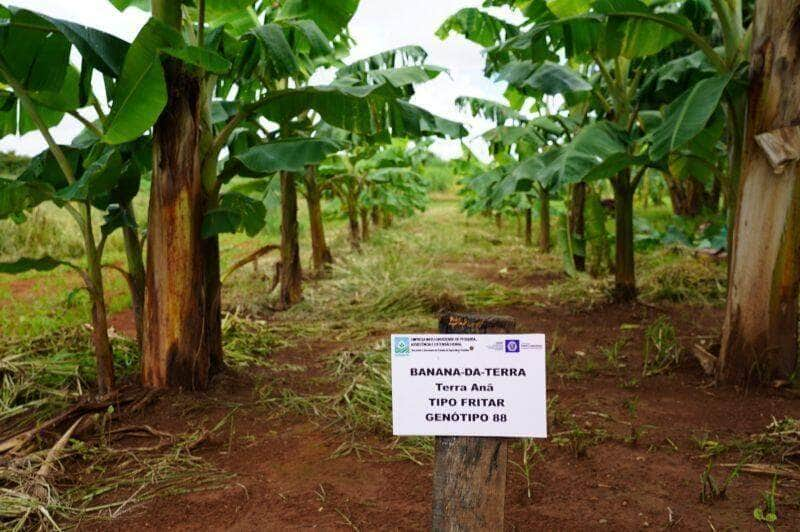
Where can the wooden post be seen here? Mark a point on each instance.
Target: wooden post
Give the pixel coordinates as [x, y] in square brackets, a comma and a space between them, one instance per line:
[469, 475]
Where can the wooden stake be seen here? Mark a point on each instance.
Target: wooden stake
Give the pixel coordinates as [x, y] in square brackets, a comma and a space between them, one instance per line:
[469, 476]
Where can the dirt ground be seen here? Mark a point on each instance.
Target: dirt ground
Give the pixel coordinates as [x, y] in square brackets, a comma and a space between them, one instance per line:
[645, 472]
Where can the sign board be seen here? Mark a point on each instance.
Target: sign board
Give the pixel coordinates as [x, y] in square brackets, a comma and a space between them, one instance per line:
[469, 385]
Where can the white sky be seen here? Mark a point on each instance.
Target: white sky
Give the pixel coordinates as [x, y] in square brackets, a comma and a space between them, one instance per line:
[378, 25]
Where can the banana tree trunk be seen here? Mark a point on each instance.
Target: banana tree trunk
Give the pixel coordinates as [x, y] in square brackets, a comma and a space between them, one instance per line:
[213, 303]
[352, 218]
[688, 196]
[291, 272]
[528, 226]
[544, 221]
[577, 223]
[100, 341]
[321, 256]
[180, 338]
[624, 270]
[375, 216]
[759, 339]
[388, 219]
[364, 224]
[133, 251]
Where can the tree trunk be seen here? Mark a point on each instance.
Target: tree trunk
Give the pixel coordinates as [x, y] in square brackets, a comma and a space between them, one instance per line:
[103, 353]
[529, 226]
[688, 196]
[364, 224]
[498, 220]
[387, 220]
[133, 251]
[375, 215]
[624, 271]
[179, 343]
[352, 218]
[544, 221]
[291, 271]
[321, 256]
[213, 300]
[759, 340]
[577, 223]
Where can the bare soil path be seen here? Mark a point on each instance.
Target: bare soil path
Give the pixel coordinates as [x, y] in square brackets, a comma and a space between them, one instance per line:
[625, 452]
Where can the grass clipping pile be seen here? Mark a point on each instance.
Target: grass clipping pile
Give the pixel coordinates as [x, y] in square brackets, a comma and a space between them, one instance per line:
[64, 456]
[365, 404]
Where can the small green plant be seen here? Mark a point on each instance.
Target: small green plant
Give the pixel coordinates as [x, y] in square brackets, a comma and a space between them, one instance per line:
[630, 384]
[631, 405]
[636, 433]
[613, 354]
[530, 452]
[578, 440]
[709, 447]
[711, 490]
[662, 351]
[767, 513]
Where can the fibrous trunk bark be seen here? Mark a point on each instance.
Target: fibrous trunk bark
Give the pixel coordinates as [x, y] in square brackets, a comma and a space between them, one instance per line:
[291, 271]
[321, 256]
[544, 221]
[759, 340]
[136, 273]
[624, 269]
[364, 224]
[352, 219]
[577, 223]
[181, 338]
[104, 355]
[528, 226]
[688, 196]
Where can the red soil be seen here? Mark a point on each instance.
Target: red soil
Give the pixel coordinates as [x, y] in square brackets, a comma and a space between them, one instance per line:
[124, 323]
[286, 478]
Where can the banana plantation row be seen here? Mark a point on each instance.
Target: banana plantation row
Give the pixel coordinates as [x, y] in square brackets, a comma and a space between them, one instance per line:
[213, 104]
[607, 94]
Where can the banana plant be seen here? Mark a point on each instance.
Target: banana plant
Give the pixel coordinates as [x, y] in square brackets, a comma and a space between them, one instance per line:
[609, 49]
[40, 87]
[205, 76]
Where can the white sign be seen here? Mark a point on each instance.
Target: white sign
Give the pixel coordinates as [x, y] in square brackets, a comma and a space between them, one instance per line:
[469, 385]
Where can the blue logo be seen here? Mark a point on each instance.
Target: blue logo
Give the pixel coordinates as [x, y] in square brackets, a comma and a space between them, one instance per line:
[402, 346]
[512, 346]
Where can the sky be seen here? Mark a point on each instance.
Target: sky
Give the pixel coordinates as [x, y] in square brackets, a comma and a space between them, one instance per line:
[377, 26]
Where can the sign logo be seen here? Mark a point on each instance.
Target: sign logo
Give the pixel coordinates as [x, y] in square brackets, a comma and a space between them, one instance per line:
[512, 346]
[402, 346]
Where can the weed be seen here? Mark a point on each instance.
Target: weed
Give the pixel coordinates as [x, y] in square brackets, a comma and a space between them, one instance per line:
[578, 440]
[711, 490]
[662, 351]
[636, 433]
[631, 404]
[613, 355]
[630, 384]
[709, 447]
[556, 415]
[767, 512]
[530, 452]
